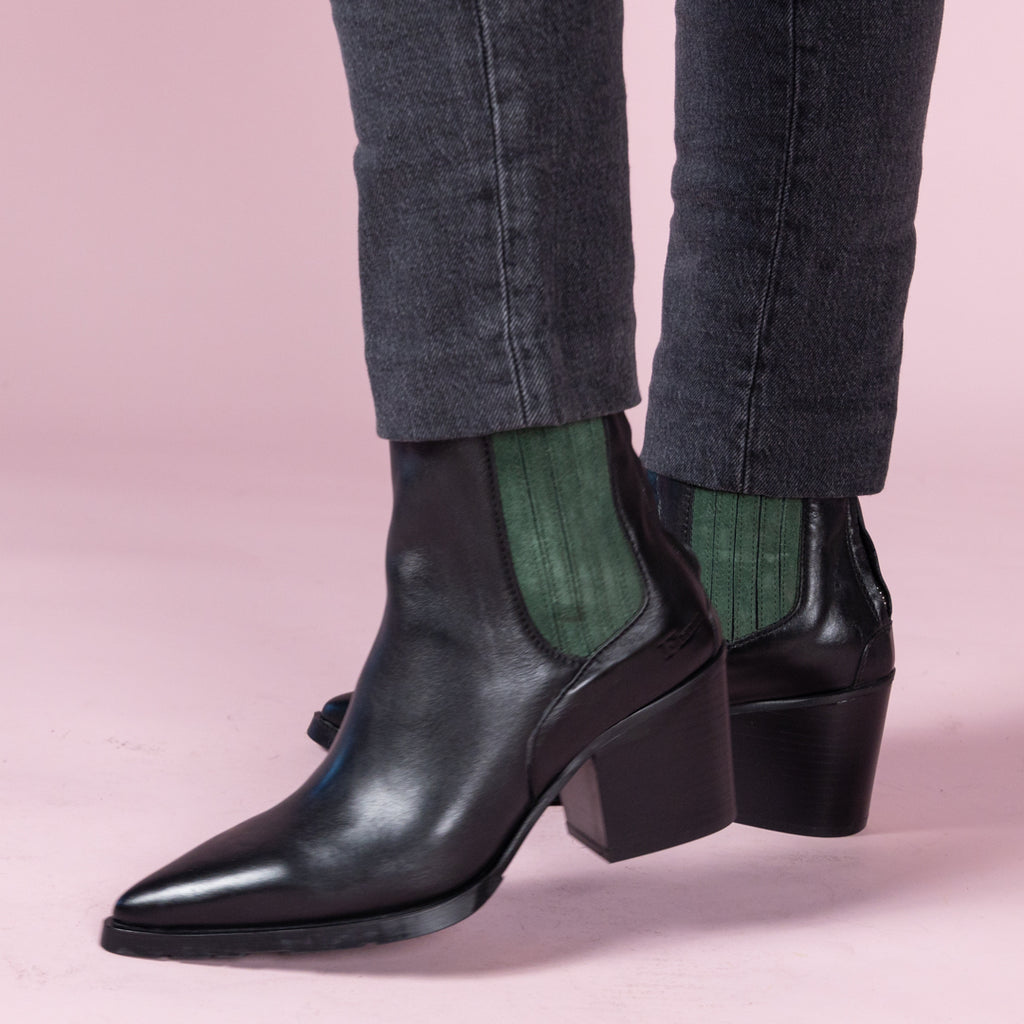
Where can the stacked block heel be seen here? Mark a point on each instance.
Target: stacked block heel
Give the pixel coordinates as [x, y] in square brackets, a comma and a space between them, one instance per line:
[807, 765]
[664, 779]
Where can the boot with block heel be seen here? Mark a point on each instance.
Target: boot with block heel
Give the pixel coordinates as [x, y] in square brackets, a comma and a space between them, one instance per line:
[809, 691]
[542, 635]
[811, 658]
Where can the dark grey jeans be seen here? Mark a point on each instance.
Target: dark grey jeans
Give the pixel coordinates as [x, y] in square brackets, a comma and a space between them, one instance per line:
[495, 243]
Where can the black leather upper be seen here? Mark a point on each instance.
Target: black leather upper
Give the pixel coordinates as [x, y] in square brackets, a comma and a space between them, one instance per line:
[839, 633]
[461, 716]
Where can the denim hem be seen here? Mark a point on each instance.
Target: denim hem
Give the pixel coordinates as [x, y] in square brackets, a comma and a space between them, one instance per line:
[477, 421]
[828, 480]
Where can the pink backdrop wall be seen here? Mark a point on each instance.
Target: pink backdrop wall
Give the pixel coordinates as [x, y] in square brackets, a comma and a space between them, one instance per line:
[178, 257]
[192, 509]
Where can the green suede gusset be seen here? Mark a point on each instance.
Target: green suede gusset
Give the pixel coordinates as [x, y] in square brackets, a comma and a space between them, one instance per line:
[574, 564]
[749, 551]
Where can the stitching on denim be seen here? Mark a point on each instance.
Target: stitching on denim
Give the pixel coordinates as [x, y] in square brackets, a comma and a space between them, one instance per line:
[487, 60]
[772, 281]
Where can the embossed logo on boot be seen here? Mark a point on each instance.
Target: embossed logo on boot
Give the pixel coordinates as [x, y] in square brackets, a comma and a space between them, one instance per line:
[673, 642]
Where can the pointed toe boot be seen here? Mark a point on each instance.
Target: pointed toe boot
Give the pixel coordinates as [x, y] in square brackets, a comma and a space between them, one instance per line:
[542, 636]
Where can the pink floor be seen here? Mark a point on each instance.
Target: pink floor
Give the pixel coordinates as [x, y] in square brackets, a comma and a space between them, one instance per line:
[165, 644]
[191, 529]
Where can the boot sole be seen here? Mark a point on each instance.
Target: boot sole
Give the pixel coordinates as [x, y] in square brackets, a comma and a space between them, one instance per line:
[626, 803]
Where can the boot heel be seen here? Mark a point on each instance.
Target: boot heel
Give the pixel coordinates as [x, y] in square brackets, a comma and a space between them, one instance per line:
[807, 765]
[664, 779]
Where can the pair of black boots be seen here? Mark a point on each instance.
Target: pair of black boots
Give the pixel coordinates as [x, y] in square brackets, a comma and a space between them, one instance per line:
[544, 637]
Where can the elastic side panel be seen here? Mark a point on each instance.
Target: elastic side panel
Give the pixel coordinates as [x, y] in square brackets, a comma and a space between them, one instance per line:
[789, 553]
[574, 564]
[749, 551]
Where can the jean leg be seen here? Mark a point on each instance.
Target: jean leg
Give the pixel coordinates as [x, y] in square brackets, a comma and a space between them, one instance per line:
[799, 132]
[496, 258]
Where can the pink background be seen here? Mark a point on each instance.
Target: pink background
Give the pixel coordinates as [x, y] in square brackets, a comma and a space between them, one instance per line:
[192, 511]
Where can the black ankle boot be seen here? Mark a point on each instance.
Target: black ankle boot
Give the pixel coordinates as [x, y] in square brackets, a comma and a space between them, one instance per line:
[466, 722]
[808, 692]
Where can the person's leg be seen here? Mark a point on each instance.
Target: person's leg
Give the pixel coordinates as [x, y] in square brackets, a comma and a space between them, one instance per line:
[799, 132]
[543, 635]
[495, 247]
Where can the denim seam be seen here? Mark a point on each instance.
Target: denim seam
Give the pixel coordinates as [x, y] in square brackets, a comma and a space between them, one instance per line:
[487, 62]
[773, 263]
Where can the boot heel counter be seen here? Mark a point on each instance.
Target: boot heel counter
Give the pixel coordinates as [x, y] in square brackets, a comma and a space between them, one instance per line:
[865, 559]
[878, 658]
